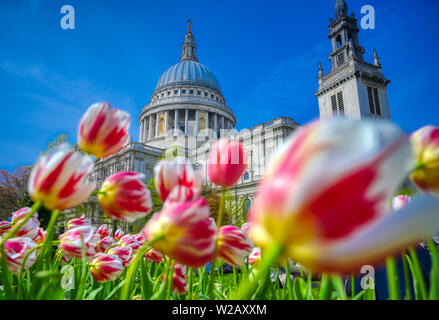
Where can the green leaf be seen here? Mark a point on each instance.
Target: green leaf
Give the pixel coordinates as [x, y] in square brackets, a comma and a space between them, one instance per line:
[434, 273]
[299, 289]
[115, 289]
[418, 277]
[93, 294]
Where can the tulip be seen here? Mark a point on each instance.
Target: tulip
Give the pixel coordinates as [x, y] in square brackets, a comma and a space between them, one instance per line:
[140, 238]
[40, 237]
[59, 179]
[124, 253]
[154, 255]
[106, 267]
[425, 143]
[168, 175]
[125, 197]
[75, 239]
[104, 244]
[129, 240]
[183, 193]
[78, 222]
[184, 232]
[103, 130]
[118, 234]
[227, 162]
[179, 283]
[30, 228]
[16, 250]
[104, 231]
[246, 227]
[233, 245]
[254, 256]
[325, 197]
[400, 201]
[5, 226]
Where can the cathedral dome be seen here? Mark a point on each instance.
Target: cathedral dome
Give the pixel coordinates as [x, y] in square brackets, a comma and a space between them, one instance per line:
[188, 72]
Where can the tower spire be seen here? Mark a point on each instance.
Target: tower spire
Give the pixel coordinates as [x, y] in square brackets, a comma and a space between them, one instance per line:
[340, 8]
[376, 59]
[189, 48]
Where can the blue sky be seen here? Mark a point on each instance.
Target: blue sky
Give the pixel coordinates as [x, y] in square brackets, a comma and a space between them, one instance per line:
[264, 53]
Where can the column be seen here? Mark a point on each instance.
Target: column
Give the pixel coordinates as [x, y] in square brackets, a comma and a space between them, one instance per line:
[215, 123]
[141, 131]
[145, 128]
[207, 123]
[166, 123]
[196, 123]
[186, 120]
[156, 124]
[150, 128]
[176, 122]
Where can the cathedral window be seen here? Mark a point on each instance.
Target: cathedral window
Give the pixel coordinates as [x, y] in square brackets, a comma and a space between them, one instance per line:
[374, 101]
[199, 92]
[206, 94]
[162, 123]
[340, 59]
[246, 176]
[191, 91]
[337, 104]
[202, 121]
[183, 91]
[175, 92]
[211, 95]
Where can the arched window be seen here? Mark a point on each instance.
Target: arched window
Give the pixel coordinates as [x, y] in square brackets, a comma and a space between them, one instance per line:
[339, 41]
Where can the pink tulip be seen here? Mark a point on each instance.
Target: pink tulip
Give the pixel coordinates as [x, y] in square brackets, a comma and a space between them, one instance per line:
[125, 197]
[124, 253]
[104, 231]
[40, 237]
[154, 255]
[106, 267]
[168, 175]
[183, 193]
[254, 256]
[400, 201]
[179, 283]
[78, 222]
[74, 239]
[59, 179]
[129, 240]
[103, 130]
[187, 233]
[5, 226]
[140, 238]
[227, 162]
[30, 227]
[324, 199]
[104, 244]
[16, 250]
[425, 144]
[118, 234]
[233, 245]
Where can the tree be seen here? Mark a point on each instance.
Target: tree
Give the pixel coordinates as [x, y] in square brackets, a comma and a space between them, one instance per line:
[13, 190]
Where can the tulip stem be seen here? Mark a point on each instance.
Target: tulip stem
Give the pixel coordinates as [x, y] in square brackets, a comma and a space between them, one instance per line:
[21, 222]
[96, 192]
[248, 288]
[49, 236]
[169, 279]
[392, 279]
[129, 277]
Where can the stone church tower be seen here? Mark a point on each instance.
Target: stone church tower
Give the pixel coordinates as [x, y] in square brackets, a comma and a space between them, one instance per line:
[353, 87]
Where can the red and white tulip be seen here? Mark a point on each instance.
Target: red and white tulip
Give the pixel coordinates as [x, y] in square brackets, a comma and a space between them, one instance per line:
[104, 244]
[106, 267]
[255, 256]
[124, 253]
[227, 162]
[169, 174]
[118, 234]
[326, 195]
[179, 283]
[154, 255]
[186, 232]
[233, 245]
[30, 228]
[78, 222]
[129, 240]
[16, 250]
[75, 239]
[103, 130]
[104, 231]
[140, 238]
[5, 226]
[59, 179]
[425, 143]
[124, 196]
